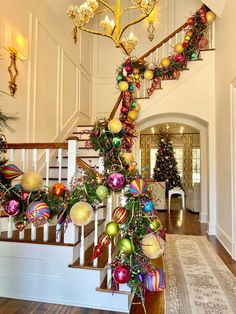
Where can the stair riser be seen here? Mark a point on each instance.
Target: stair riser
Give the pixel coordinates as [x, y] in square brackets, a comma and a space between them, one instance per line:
[54, 173]
[82, 136]
[87, 152]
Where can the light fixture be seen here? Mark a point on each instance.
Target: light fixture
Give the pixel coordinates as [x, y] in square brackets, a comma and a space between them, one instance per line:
[151, 19]
[17, 46]
[181, 130]
[110, 27]
[153, 131]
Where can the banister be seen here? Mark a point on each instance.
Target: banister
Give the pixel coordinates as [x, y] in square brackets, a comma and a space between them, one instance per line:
[36, 145]
[145, 56]
[84, 165]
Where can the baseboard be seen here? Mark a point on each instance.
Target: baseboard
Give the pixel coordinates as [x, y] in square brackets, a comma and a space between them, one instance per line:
[224, 239]
[211, 229]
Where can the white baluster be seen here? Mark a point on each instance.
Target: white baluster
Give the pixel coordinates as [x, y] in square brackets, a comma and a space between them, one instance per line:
[95, 262]
[33, 232]
[164, 50]
[101, 165]
[11, 155]
[9, 228]
[23, 159]
[82, 246]
[22, 234]
[213, 38]
[176, 39]
[47, 159]
[156, 55]
[35, 158]
[72, 155]
[58, 233]
[59, 163]
[45, 232]
[109, 216]
[71, 233]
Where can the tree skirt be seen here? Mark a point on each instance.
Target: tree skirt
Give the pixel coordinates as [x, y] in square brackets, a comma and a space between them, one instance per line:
[197, 281]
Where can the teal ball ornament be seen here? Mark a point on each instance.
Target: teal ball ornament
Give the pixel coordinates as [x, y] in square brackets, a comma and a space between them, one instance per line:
[112, 228]
[131, 87]
[148, 207]
[102, 192]
[116, 141]
[119, 78]
[126, 246]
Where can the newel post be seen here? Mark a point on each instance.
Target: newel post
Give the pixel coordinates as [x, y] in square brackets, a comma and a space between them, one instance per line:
[72, 155]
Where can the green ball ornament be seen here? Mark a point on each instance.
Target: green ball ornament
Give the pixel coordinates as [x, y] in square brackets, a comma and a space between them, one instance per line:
[112, 228]
[116, 141]
[102, 192]
[126, 246]
[119, 78]
[194, 56]
[155, 225]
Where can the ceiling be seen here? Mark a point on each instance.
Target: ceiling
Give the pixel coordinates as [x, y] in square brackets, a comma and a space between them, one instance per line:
[173, 128]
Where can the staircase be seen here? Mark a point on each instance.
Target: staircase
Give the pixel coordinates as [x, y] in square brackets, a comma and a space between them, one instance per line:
[52, 264]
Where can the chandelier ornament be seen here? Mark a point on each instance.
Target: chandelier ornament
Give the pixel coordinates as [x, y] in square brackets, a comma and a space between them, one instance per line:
[110, 27]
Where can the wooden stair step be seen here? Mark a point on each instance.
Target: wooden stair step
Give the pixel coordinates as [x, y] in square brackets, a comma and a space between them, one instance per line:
[56, 167]
[51, 235]
[85, 126]
[115, 289]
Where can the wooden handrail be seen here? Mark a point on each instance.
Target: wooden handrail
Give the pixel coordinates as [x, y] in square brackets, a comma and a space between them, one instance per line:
[84, 165]
[145, 56]
[36, 145]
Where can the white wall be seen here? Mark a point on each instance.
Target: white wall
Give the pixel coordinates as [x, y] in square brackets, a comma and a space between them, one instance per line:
[54, 83]
[225, 74]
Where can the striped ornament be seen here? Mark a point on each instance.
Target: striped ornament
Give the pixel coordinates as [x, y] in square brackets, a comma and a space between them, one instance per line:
[11, 172]
[155, 280]
[120, 215]
[104, 239]
[138, 187]
[38, 213]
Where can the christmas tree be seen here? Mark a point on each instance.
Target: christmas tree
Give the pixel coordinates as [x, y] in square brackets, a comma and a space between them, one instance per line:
[166, 165]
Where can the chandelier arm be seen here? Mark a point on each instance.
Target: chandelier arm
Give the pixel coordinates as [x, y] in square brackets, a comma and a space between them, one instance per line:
[101, 11]
[107, 5]
[133, 23]
[96, 33]
[129, 8]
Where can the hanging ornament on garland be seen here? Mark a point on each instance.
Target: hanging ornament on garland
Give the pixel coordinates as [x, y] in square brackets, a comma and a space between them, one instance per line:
[121, 274]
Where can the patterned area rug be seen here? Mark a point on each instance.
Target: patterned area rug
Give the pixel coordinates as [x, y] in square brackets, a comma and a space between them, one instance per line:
[197, 281]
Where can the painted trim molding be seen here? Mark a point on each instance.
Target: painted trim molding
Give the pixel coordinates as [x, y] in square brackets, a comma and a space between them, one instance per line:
[224, 239]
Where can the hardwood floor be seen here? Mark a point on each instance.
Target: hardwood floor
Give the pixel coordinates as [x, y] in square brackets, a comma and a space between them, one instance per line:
[179, 222]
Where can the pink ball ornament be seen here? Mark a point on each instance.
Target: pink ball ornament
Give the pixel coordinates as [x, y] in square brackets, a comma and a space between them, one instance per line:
[116, 181]
[12, 208]
[128, 68]
[121, 274]
[179, 58]
[124, 110]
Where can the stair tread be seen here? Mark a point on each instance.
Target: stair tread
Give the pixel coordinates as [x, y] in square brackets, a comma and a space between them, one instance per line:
[56, 167]
[85, 125]
[115, 289]
[66, 157]
[51, 235]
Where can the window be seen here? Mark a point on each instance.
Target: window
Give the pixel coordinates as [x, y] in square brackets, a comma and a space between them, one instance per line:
[195, 165]
[179, 159]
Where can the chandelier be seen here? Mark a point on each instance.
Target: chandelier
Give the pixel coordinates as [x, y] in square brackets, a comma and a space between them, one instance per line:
[110, 27]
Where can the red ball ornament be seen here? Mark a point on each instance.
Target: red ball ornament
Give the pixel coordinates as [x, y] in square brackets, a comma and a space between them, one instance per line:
[124, 110]
[190, 21]
[185, 44]
[20, 226]
[179, 58]
[128, 68]
[97, 251]
[138, 85]
[120, 215]
[121, 274]
[58, 189]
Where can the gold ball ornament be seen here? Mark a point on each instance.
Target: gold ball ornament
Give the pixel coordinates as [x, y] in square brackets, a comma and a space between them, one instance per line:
[152, 246]
[123, 86]
[210, 16]
[32, 181]
[136, 76]
[165, 62]
[128, 157]
[179, 48]
[81, 213]
[148, 74]
[136, 108]
[132, 115]
[115, 126]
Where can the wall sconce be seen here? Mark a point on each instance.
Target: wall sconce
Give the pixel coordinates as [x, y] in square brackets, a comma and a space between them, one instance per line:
[151, 19]
[17, 46]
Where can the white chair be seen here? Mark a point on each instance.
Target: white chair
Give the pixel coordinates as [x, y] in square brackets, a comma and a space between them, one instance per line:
[175, 190]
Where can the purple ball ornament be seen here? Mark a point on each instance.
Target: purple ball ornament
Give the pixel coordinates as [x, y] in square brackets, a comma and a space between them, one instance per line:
[97, 133]
[141, 277]
[116, 181]
[12, 208]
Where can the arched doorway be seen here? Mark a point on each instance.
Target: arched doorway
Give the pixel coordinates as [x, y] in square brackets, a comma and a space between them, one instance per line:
[208, 211]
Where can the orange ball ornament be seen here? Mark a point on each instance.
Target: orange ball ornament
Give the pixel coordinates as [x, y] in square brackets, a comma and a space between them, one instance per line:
[58, 189]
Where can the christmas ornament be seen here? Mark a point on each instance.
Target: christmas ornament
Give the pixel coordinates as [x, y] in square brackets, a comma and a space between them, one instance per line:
[210, 16]
[176, 74]
[179, 58]
[81, 213]
[135, 71]
[135, 107]
[38, 213]
[127, 157]
[116, 141]
[104, 239]
[141, 277]
[121, 274]
[152, 246]
[126, 246]
[115, 126]
[61, 217]
[97, 251]
[112, 228]
[133, 115]
[119, 78]
[11, 172]
[123, 86]
[136, 76]
[128, 69]
[58, 189]
[120, 215]
[102, 192]
[138, 187]
[148, 207]
[165, 62]
[194, 56]
[148, 74]
[155, 225]
[191, 21]
[20, 225]
[12, 208]
[32, 181]
[116, 181]
[124, 110]
[187, 37]
[155, 280]
[179, 48]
